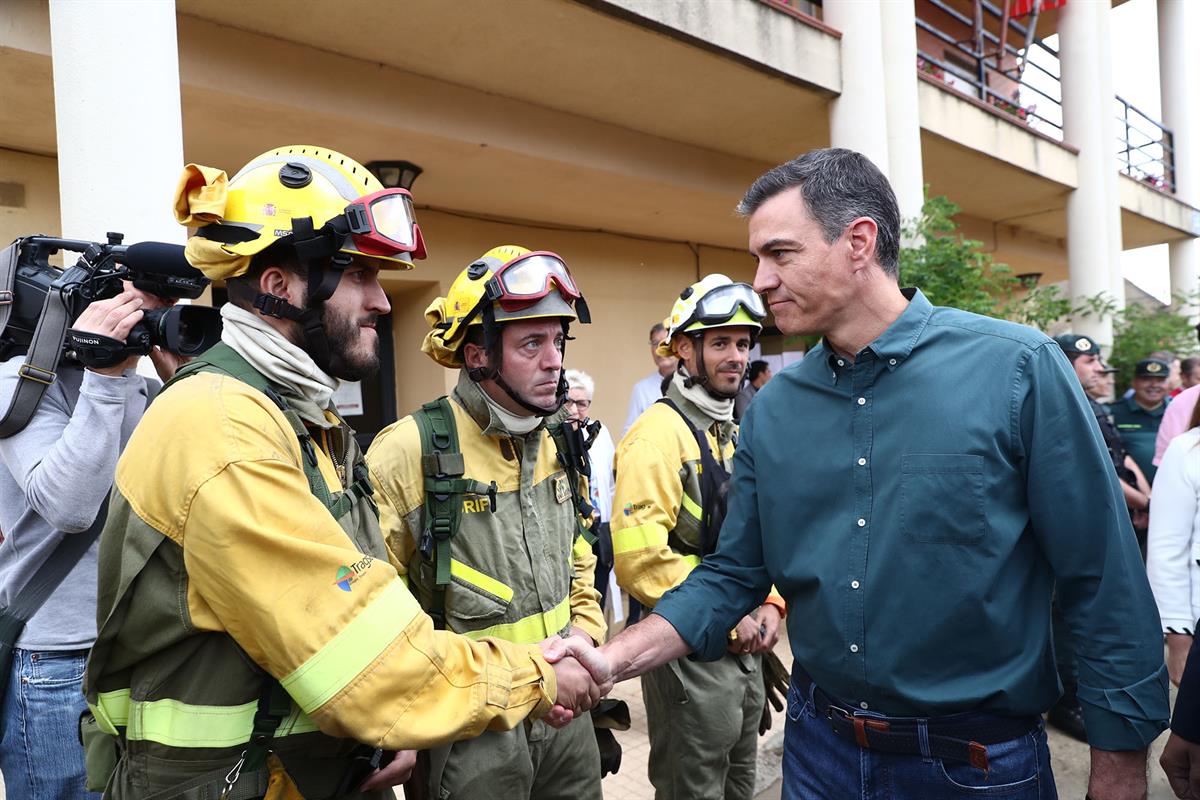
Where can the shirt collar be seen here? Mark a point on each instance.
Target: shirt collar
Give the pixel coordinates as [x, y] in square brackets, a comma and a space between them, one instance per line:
[1132, 405]
[896, 343]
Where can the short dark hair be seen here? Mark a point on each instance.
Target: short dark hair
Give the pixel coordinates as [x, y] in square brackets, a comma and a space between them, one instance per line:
[1188, 364]
[658, 327]
[838, 187]
[757, 368]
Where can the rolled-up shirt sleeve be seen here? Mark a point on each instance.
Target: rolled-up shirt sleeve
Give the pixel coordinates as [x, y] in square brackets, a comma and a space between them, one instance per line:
[1080, 521]
[732, 581]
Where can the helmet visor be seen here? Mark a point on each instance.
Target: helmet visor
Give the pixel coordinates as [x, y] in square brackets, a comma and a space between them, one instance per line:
[722, 303]
[532, 276]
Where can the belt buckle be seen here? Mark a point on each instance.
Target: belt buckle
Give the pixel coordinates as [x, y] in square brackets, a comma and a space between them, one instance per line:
[860, 724]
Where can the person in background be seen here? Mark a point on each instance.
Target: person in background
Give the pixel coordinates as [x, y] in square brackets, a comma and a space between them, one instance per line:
[649, 388]
[581, 392]
[1175, 374]
[54, 476]
[756, 376]
[1189, 374]
[1180, 758]
[1173, 542]
[1137, 417]
[1103, 390]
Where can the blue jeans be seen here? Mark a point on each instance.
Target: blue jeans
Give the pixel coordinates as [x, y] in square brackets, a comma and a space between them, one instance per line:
[818, 765]
[40, 754]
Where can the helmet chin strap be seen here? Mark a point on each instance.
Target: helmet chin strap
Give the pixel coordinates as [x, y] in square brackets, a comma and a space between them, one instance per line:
[701, 378]
[491, 343]
[320, 253]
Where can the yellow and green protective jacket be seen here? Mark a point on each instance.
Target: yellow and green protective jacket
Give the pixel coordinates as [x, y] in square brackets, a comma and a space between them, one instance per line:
[521, 573]
[221, 570]
[657, 504]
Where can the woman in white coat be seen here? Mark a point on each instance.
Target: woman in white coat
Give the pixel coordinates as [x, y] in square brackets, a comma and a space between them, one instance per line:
[1173, 546]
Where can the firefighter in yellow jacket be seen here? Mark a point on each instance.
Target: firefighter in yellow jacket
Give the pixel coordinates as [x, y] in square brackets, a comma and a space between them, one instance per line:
[481, 497]
[255, 638]
[672, 475]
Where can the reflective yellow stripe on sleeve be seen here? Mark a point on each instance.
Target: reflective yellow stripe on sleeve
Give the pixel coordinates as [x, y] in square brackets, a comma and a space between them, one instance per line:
[480, 581]
[639, 537]
[347, 654]
[178, 724]
[689, 505]
[691, 561]
[581, 548]
[531, 629]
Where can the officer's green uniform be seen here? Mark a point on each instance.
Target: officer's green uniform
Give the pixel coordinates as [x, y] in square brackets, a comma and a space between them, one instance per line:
[1139, 429]
[520, 573]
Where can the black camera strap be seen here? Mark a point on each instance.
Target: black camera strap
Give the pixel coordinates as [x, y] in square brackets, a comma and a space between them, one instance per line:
[37, 373]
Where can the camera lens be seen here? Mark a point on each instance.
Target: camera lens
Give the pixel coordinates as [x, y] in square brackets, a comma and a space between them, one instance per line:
[186, 330]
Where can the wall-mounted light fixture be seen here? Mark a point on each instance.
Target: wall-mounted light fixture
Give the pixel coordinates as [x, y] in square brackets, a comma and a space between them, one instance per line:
[395, 174]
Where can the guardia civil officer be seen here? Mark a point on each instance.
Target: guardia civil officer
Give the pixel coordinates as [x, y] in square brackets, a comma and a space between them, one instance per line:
[481, 496]
[255, 637]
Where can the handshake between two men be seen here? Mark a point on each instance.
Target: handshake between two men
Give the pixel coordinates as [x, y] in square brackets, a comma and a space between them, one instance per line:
[586, 673]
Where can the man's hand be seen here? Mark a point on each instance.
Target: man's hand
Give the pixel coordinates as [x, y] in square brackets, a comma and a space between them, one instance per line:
[1118, 775]
[1178, 645]
[1181, 762]
[744, 638]
[393, 774]
[768, 627]
[114, 318]
[575, 649]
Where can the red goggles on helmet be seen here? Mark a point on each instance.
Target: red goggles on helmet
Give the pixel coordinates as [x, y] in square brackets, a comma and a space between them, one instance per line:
[528, 278]
[384, 223]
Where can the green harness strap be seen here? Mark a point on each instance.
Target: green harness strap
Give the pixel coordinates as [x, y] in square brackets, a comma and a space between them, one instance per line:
[569, 447]
[443, 465]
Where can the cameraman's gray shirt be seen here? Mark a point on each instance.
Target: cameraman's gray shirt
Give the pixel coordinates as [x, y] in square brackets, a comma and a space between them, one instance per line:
[53, 477]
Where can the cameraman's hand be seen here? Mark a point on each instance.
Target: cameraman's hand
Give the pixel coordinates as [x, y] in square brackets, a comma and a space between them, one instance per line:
[115, 318]
[166, 363]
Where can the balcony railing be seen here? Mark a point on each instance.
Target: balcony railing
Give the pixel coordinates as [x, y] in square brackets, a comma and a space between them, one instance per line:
[1145, 149]
[1023, 82]
[1026, 83]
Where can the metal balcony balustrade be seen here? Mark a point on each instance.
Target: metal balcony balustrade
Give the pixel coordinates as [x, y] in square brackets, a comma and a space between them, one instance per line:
[1145, 149]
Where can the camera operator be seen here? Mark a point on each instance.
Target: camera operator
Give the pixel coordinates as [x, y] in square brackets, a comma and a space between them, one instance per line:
[54, 477]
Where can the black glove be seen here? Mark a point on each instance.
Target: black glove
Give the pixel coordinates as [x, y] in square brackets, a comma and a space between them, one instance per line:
[775, 681]
[608, 716]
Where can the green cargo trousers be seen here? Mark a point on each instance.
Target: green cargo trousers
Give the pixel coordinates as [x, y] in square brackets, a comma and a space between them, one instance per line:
[533, 761]
[703, 720]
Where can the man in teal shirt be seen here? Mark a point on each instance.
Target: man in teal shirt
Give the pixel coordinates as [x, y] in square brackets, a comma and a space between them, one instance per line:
[915, 488]
[1138, 416]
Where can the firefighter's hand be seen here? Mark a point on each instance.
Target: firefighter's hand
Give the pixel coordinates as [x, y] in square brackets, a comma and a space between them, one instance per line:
[393, 774]
[744, 638]
[768, 627]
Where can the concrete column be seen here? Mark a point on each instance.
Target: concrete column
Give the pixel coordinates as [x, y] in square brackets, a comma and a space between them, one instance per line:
[858, 118]
[1087, 112]
[116, 102]
[899, 31]
[1112, 174]
[1179, 75]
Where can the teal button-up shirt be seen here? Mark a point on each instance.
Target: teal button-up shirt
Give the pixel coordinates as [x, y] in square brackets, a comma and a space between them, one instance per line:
[1138, 429]
[916, 506]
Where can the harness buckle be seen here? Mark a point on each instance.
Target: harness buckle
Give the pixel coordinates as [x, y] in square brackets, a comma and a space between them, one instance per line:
[6, 298]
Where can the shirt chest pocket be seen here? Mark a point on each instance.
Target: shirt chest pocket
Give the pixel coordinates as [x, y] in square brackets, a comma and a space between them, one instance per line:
[941, 498]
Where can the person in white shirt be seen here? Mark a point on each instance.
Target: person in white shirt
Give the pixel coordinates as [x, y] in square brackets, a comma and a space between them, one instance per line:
[649, 389]
[581, 390]
[1174, 544]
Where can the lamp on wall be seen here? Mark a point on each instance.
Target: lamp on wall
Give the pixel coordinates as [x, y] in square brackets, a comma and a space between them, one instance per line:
[395, 174]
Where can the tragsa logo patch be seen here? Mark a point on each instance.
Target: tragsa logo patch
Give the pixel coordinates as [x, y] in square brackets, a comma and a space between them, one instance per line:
[348, 576]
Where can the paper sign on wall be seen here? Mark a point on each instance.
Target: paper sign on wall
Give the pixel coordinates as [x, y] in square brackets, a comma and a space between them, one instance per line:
[348, 399]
